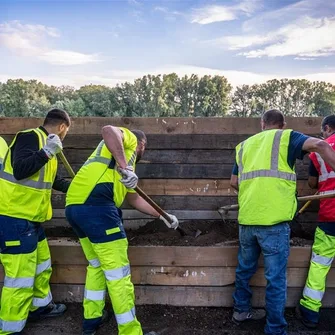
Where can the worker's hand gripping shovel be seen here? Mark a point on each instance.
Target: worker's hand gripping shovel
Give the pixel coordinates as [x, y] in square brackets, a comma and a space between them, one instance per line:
[167, 218]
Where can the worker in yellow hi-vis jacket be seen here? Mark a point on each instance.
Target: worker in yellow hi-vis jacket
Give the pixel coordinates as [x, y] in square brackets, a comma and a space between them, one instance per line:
[93, 209]
[27, 176]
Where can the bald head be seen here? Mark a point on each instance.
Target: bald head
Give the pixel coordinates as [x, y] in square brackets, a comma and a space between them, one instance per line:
[273, 119]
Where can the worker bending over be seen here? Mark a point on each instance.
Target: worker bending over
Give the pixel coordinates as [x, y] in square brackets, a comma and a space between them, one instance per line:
[3, 150]
[27, 176]
[321, 176]
[265, 177]
[93, 209]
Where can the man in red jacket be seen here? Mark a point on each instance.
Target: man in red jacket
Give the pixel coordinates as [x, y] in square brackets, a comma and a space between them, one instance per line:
[322, 177]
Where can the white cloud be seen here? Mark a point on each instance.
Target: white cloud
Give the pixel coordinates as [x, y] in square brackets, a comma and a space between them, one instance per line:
[304, 58]
[216, 13]
[112, 78]
[270, 20]
[170, 15]
[306, 38]
[28, 40]
[134, 2]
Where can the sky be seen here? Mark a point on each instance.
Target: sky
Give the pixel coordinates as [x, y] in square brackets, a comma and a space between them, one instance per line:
[81, 42]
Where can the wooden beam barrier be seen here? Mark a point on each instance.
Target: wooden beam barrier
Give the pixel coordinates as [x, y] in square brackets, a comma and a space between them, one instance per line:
[169, 125]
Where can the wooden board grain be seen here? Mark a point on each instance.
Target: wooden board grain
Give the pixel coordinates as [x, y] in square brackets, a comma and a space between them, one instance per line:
[220, 256]
[188, 296]
[170, 125]
[182, 276]
[186, 171]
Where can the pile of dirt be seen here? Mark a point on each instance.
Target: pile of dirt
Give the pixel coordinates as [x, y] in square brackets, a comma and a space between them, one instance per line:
[198, 233]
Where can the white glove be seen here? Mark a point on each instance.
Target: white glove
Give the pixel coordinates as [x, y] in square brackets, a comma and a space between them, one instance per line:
[53, 146]
[174, 224]
[129, 177]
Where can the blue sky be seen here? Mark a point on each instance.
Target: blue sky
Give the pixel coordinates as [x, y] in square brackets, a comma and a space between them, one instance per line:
[108, 42]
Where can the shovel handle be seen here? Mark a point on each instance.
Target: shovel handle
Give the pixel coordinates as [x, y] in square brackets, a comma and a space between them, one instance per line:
[305, 206]
[66, 164]
[307, 198]
[143, 195]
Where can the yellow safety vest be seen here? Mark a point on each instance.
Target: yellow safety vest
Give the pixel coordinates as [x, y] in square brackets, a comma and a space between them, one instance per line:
[29, 198]
[100, 168]
[3, 150]
[267, 184]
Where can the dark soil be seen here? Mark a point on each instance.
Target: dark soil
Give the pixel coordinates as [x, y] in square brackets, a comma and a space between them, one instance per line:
[168, 320]
[198, 233]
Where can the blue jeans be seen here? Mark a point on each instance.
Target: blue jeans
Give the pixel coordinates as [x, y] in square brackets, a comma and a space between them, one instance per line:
[274, 243]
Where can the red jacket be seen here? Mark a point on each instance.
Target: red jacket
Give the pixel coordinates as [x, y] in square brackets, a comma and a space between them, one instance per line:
[326, 184]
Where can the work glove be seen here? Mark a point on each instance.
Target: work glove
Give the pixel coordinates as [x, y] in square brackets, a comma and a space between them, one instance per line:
[129, 177]
[53, 146]
[174, 224]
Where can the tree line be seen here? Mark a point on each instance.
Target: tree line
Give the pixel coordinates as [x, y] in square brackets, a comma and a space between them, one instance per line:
[169, 95]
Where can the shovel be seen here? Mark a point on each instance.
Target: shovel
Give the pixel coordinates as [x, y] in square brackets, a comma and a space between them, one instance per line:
[137, 189]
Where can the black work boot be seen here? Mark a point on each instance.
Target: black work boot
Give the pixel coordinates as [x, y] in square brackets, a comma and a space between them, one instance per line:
[254, 314]
[50, 311]
[307, 323]
[104, 320]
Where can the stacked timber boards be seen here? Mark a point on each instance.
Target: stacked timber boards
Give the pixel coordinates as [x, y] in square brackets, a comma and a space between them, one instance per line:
[187, 164]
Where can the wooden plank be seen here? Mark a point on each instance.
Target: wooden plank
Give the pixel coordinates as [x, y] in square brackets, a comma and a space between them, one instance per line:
[181, 276]
[214, 296]
[186, 171]
[203, 187]
[170, 125]
[188, 296]
[171, 156]
[172, 255]
[157, 142]
[171, 202]
[190, 156]
[131, 214]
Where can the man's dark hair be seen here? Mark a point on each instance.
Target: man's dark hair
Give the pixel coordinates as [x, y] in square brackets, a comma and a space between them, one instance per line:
[273, 117]
[140, 135]
[328, 121]
[56, 117]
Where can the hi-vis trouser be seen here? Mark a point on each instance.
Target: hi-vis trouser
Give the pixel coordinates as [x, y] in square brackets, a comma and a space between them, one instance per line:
[25, 257]
[323, 253]
[105, 246]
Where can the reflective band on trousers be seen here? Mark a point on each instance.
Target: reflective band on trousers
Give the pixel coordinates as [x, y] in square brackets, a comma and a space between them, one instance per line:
[322, 259]
[127, 317]
[41, 302]
[117, 273]
[41, 185]
[19, 282]
[43, 266]
[12, 326]
[94, 262]
[273, 172]
[94, 295]
[313, 294]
